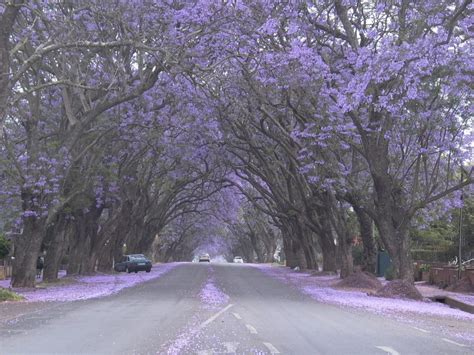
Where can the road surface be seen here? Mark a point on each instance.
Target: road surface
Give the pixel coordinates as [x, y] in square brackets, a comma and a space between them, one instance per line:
[167, 316]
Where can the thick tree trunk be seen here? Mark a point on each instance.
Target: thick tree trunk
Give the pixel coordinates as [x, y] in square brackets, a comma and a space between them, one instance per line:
[256, 247]
[368, 241]
[309, 252]
[397, 242]
[299, 254]
[82, 258]
[290, 257]
[105, 262]
[55, 250]
[27, 248]
[347, 263]
[328, 248]
[78, 252]
[392, 211]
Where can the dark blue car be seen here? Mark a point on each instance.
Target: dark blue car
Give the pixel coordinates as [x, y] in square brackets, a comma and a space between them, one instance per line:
[133, 263]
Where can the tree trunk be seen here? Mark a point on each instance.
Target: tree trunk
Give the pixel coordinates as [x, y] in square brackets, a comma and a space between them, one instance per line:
[397, 242]
[368, 241]
[55, 249]
[27, 248]
[105, 262]
[289, 255]
[300, 255]
[347, 263]
[328, 248]
[255, 245]
[392, 212]
[82, 258]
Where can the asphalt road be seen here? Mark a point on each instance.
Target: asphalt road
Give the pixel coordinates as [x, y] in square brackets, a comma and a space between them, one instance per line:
[166, 315]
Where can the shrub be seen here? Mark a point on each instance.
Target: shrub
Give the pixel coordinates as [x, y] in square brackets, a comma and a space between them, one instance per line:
[4, 246]
[425, 267]
[7, 295]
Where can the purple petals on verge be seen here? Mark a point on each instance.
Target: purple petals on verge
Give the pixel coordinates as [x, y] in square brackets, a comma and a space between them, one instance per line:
[88, 287]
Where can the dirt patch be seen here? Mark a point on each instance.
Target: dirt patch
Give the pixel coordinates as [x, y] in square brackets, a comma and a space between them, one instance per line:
[362, 280]
[463, 285]
[399, 289]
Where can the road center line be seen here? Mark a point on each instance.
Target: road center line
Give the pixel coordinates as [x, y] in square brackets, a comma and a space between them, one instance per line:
[213, 318]
[251, 329]
[389, 350]
[271, 348]
[453, 342]
[421, 330]
[236, 315]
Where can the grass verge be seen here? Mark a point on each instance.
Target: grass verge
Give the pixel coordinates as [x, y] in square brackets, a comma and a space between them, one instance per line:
[7, 295]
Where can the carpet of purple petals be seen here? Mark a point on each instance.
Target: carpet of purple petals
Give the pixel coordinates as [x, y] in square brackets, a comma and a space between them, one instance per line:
[320, 288]
[86, 287]
[211, 296]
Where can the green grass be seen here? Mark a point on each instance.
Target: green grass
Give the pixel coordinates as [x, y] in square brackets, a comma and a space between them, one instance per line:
[7, 295]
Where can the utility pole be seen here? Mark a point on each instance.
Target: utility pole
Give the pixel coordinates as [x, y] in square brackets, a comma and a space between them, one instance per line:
[460, 231]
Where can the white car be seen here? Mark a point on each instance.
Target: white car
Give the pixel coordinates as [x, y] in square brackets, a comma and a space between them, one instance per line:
[238, 259]
[204, 258]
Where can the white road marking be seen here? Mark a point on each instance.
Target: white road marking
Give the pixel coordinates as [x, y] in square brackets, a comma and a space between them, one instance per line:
[213, 318]
[231, 347]
[453, 342]
[251, 329]
[236, 315]
[388, 350]
[272, 349]
[421, 330]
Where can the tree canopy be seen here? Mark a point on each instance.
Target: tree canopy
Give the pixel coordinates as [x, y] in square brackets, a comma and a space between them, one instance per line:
[171, 126]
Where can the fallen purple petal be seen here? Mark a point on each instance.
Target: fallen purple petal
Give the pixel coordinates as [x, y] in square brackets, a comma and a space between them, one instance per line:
[86, 287]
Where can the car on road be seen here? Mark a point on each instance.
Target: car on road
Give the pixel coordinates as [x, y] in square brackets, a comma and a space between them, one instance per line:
[204, 258]
[133, 263]
[238, 260]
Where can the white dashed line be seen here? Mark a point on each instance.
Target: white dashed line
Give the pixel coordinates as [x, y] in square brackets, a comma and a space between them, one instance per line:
[453, 342]
[388, 350]
[272, 349]
[421, 330]
[236, 315]
[213, 318]
[251, 329]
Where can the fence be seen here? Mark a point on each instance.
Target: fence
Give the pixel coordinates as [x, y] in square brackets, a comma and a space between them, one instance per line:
[446, 276]
[5, 271]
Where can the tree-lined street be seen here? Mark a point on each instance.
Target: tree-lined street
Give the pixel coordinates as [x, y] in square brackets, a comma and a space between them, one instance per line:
[261, 315]
[331, 137]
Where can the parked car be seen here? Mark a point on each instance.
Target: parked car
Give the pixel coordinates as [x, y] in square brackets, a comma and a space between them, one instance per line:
[204, 258]
[238, 260]
[133, 263]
